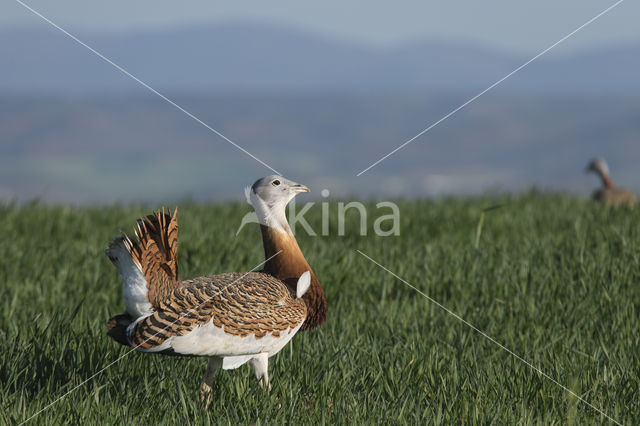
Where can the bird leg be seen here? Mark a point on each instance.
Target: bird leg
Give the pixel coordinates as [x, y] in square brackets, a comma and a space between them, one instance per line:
[260, 364]
[205, 389]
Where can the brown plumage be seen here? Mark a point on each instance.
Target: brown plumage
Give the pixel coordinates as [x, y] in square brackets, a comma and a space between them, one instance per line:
[158, 253]
[610, 193]
[289, 265]
[254, 303]
[244, 304]
[155, 253]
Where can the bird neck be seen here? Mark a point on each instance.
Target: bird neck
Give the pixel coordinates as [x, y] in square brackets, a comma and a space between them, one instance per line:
[607, 182]
[286, 262]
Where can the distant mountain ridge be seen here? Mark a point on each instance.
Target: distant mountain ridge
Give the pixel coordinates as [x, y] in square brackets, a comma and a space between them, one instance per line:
[136, 147]
[243, 57]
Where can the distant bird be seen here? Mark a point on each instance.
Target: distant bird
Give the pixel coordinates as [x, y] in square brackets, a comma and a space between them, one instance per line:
[609, 193]
[232, 318]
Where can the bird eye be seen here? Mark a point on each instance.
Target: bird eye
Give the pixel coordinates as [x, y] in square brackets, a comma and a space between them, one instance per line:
[275, 182]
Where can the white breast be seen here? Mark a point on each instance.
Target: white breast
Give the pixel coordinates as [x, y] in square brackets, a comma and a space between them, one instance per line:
[209, 340]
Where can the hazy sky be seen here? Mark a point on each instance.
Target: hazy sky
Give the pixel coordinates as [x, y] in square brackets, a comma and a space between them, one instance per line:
[525, 26]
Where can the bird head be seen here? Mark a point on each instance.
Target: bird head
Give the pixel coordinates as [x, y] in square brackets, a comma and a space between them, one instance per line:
[599, 166]
[276, 189]
[269, 197]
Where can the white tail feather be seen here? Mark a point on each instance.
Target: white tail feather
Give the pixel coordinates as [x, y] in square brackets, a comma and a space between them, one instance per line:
[134, 285]
[303, 284]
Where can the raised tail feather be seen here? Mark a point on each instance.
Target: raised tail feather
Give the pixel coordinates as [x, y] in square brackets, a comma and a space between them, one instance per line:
[149, 268]
[158, 239]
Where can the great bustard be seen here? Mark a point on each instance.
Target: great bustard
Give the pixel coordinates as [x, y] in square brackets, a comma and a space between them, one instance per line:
[609, 193]
[231, 318]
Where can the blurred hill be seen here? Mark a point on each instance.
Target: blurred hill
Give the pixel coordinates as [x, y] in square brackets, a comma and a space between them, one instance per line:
[245, 57]
[103, 149]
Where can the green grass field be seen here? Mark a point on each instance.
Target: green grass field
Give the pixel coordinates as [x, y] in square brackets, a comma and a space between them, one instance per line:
[553, 278]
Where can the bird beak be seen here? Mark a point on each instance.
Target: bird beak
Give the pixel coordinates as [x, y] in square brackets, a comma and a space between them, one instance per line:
[297, 188]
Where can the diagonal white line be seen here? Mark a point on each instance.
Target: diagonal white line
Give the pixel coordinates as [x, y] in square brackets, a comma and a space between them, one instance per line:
[491, 87]
[491, 339]
[145, 85]
[143, 342]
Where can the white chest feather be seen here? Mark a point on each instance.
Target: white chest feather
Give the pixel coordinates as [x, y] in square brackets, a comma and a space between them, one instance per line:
[209, 340]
